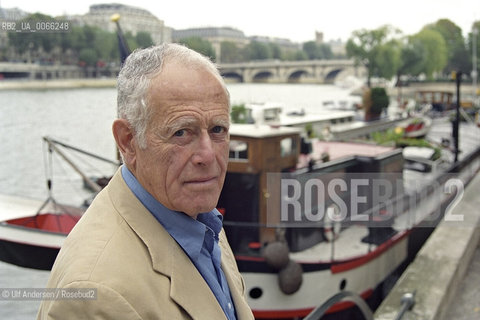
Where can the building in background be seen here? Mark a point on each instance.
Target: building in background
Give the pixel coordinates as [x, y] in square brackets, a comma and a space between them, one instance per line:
[132, 19]
[284, 44]
[215, 35]
[337, 46]
[318, 37]
[12, 14]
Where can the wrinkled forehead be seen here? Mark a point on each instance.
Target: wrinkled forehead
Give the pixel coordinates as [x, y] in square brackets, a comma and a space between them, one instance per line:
[179, 90]
[177, 81]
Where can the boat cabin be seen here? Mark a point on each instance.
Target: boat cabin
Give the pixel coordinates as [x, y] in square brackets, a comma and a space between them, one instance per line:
[261, 155]
[440, 100]
[255, 150]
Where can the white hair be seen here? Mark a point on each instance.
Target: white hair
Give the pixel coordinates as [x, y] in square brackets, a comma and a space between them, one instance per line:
[135, 77]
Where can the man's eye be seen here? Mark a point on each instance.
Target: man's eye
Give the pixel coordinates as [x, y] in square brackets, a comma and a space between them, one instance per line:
[218, 129]
[179, 133]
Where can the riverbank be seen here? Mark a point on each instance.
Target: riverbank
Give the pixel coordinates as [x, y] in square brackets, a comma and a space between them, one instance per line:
[437, 272]
[410, 90]
[57, 84]
[405, 92]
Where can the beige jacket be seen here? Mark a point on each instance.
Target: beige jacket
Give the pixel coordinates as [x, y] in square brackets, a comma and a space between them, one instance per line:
[138, 270]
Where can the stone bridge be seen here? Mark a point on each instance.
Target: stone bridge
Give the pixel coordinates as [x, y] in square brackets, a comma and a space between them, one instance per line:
[271, 71]
[275, 71]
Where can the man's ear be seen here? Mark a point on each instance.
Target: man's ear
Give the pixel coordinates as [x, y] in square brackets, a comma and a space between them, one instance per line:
[124, 136]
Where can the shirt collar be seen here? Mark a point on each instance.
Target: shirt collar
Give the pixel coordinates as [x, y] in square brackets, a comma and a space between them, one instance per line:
[188, 232]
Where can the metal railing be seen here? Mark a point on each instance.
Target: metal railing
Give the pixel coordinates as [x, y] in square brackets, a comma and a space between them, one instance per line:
[407, 303]
[319, 312]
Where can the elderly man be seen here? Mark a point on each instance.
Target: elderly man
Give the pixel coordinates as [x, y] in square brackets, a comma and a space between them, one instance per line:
[152, 244]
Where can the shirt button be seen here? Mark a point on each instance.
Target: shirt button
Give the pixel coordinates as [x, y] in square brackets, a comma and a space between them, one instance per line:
[229, 305]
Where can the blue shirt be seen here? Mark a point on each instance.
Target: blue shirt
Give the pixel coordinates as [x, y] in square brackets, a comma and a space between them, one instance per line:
[198, 238]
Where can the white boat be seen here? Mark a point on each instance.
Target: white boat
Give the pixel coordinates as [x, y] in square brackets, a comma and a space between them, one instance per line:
[275, 114]
[325, 123]
[349, 103]
[323, 257]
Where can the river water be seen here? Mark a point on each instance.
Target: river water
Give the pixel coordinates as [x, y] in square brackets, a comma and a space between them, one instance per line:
[83, 117]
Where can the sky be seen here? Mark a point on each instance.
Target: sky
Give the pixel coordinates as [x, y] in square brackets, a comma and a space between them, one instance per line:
[296, 20]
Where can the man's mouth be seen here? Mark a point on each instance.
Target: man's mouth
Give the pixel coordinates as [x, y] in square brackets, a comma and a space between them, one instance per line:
[201, 180]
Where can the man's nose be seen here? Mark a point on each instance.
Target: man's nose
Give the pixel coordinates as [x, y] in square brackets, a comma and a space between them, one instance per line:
[205, 153]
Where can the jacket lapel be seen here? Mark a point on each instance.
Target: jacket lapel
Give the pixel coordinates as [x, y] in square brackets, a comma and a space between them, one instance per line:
[188, 288]
[235, 281]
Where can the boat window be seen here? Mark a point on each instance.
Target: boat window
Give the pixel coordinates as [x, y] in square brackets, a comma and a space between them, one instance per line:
[270, 114]
[287, 147]
[238, 150]
[417, 166]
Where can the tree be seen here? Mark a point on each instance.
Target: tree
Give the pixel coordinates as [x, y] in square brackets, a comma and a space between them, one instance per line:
[376, 50]
[200, 45]
[230, 52]
[257, 51]
[105, 45]
[317, 50]
[131, 41]
[276, 52]
[34, 42]
[143, 39]
[295, 55]
[411, 55]
[239, 113]
[471, 43]
[457, 55]
[88, 56]
[310, 49]
[431, 45]
[326, 51]
[388, 59]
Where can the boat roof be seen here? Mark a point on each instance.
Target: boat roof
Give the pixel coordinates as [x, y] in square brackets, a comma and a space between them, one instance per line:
[337, 150]
[261, 131]
[291, 120]
[264, 106]
[418, 153]
[286, 118]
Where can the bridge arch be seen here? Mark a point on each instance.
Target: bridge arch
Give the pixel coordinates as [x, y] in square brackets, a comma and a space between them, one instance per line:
[331, 75]
[233, 76]
[262, 76]
[295, 76]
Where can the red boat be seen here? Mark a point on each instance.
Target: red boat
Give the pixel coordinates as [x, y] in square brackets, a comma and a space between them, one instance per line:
[33, 241]
[33, 231]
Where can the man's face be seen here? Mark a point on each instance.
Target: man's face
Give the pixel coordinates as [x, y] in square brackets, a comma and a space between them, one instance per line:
[185, 161]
